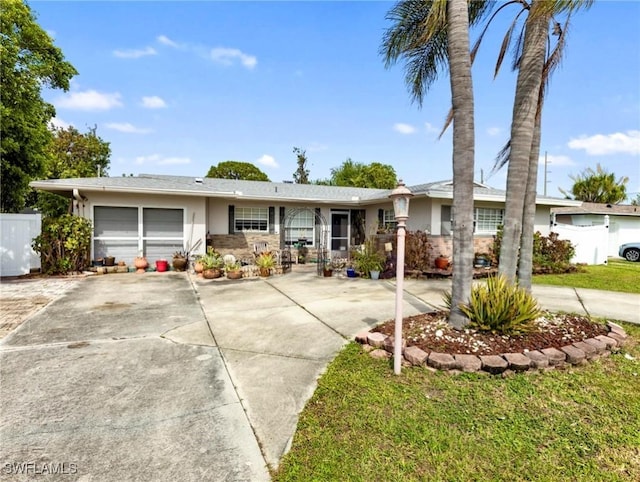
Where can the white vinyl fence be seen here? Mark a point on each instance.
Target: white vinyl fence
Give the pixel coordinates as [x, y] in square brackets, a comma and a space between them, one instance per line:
[591, 242]
[16, 255]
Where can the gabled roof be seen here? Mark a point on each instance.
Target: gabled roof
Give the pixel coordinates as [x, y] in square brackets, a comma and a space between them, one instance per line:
[600, 209]
[267, 191]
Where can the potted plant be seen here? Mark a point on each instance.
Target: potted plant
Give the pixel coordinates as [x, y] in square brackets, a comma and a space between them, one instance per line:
[265, 262]
[368, 260]
[162, 265]
[141, 263]
[212, 264]
[481, 260]
[232, 270]
[442, 262]
[197, 265]
[179, 261]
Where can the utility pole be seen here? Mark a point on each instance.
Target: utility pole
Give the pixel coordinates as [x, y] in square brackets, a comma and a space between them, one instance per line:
[545, 173]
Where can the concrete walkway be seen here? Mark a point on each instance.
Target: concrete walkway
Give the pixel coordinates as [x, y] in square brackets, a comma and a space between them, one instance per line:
[166, 376]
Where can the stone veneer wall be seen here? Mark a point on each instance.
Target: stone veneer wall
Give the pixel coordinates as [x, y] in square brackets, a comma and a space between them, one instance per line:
[241, 245]
[440, 245]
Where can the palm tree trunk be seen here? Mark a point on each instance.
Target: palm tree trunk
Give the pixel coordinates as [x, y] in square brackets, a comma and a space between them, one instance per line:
[522, 132]
[463, 156]
[525, 263]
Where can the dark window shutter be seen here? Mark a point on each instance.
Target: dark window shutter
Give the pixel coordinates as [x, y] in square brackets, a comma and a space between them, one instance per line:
[380, 217]
[232, 216]
[272, 220]
[282, 227]
[318, 226]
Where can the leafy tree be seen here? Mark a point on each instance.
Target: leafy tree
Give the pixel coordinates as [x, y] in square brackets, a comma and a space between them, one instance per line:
[636, 200]
[237, 170]
[356, 174]
[28, 61]
[301, 176]
[598, 186]
[72, 154]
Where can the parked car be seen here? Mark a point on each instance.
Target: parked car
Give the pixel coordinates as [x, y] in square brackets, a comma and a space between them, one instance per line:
[630, 251]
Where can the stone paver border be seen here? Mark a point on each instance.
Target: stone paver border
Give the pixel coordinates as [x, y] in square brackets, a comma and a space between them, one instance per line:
[380, 346]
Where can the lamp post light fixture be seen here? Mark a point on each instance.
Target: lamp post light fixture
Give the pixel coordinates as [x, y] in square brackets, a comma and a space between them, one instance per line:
[400, 197]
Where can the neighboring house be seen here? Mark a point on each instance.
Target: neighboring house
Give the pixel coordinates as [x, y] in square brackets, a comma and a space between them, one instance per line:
[158, 214]
[623, 221]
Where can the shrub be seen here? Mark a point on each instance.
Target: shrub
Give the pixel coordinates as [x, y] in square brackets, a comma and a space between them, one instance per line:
[64, 244]
[417, 251]
[500, 307]
[550, 254]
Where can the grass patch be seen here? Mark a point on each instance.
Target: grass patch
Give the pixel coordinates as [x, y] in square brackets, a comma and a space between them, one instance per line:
[364, 423]
[617, 275]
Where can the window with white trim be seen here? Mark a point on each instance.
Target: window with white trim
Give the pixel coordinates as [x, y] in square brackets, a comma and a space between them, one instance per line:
[487, 220]
[389, 219]
[251, 219]
[300, 225]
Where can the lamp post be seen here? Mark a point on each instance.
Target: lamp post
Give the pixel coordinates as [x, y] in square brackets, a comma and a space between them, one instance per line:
[400, 197]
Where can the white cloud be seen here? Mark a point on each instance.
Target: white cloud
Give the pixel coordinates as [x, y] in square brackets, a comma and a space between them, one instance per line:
[89, 100]
[153, 102]
[494, 131]
[164, 40]
[59, 123]
[158, 160]
[135, 53]
[430, 127]
[600, 144]
[267, 160]
[127, 128]
[226, 56]
[556, 160]
[404, 128]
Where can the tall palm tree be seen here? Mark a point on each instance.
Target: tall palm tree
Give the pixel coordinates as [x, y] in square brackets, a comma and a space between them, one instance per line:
[517, 246]
[430, 35]
[525, 109]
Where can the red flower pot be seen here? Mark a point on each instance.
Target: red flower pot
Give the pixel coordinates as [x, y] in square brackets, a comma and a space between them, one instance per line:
[162, 265]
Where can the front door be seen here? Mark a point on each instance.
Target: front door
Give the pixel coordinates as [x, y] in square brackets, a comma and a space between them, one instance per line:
[340, 233]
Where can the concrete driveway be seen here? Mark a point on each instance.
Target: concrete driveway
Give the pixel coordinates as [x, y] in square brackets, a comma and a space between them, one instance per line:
[120, 380]
[164, 376]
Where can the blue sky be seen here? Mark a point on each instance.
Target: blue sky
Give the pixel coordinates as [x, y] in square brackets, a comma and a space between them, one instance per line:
[176, 87]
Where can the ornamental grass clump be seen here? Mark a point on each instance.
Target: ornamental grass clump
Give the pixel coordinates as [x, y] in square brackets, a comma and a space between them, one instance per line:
[500, 307]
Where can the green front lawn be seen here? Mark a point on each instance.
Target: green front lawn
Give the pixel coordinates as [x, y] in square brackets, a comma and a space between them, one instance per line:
[364, 423]
[617, 275]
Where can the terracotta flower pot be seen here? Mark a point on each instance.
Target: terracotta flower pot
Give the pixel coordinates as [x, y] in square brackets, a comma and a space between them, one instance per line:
[236, 274]
[198, 268]
[441, 262]
[212, 273]
[141, 264]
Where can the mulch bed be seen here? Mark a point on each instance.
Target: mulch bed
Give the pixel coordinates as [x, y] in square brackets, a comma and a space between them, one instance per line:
[431, 332]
